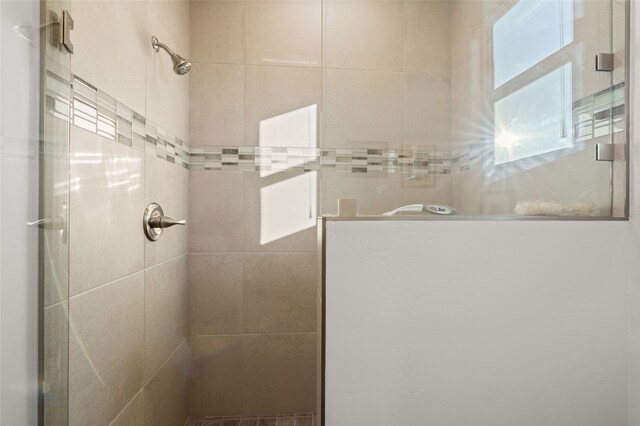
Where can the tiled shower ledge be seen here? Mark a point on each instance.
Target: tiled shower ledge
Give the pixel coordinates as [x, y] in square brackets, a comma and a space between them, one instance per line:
[296, 419]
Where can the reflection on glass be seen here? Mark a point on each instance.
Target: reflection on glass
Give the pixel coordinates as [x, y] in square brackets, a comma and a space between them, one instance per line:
[529, 32]
[535, 119]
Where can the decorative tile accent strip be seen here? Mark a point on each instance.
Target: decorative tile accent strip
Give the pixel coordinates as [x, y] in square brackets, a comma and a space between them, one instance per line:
[166, 146]
[358, 160]
[258, 158]
[57, 96]
[97, 112]
[363, 160]
[600, 113]
[91, 109]
[463, 158]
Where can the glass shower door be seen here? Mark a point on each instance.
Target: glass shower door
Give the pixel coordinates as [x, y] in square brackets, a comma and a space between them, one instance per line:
[54, 214]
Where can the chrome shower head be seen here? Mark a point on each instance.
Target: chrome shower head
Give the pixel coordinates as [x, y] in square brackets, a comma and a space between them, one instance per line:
[181, 66]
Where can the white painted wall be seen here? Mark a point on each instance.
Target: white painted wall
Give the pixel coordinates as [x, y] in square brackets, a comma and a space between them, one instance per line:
[19, 135]
[476, 323]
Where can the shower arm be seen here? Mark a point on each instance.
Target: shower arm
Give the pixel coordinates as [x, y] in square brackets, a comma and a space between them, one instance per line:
[157, 45]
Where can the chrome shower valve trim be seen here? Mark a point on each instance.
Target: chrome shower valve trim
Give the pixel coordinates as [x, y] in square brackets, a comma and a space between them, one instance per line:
[154, 221]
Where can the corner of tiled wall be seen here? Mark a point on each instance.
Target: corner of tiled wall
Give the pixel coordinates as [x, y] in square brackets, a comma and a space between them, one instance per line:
[382, 82]
[129, 354]
[252, 309]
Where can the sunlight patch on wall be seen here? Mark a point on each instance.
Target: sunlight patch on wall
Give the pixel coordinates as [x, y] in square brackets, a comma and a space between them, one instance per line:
[293, 129]
[288, 207]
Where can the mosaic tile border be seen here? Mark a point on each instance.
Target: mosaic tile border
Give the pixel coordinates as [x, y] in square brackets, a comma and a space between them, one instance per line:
[97, 112]
[594, 115]
[357, 160]
[92, 109]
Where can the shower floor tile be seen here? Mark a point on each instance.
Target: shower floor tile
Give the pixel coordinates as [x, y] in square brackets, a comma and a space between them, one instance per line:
[291, 419]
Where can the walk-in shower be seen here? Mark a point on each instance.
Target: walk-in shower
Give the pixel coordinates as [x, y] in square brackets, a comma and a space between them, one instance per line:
[458, 110]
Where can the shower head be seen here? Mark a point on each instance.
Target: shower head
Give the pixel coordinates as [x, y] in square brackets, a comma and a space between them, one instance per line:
[181, 66]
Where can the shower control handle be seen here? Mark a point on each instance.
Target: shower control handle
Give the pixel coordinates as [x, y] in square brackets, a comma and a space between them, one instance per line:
[154, 222]
[165, 222]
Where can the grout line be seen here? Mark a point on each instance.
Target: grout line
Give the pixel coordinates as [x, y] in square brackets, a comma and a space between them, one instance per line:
[321, 67]
[243, 293]
[255, 334]
[126, 405]
[214, 252]
[282, 252]
[125, 276]
[82, 293]
[244, 72]
[183, 342]
[53, 305]
[164, 262]
[145, 162]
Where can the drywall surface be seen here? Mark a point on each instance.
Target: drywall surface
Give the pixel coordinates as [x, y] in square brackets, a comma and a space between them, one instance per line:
[476, 323]
[19, 141]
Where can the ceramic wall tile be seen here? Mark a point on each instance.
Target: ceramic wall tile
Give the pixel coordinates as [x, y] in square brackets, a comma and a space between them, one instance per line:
[361, 107]
[364, 35]
[216, 212]
[216, 382]
[111, 43]
[427, 100]
[165, 395]
[284, 33]
[215, 293]
[167, 93]
[106, 205]
[280, 292]
[133, 413]
[217, 31]
[168, 185]
[106, 350]
[279, 373]
[427, 36]
[217, 105]
[165, 311]
[273, 92]
[280, 211]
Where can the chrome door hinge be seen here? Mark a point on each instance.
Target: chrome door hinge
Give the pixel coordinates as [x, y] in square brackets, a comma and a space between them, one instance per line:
[604, 62]
[61, 27]
[605, 152]
[67, 26]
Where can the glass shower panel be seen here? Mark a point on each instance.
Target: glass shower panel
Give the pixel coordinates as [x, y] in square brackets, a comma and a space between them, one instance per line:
[492, 107]
[54, 214]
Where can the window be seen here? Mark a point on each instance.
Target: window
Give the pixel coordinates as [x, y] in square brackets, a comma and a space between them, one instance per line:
[532, 80]
[534, 119]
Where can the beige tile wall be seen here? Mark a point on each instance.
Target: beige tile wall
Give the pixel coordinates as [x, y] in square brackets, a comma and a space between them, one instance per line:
[252, 314]
[381, 79]
[252, 308]
[386, 85]
[129, 356]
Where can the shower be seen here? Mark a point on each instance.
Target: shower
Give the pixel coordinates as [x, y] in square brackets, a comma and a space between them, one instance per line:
[181, 66]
